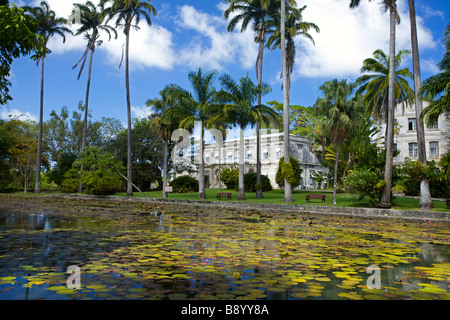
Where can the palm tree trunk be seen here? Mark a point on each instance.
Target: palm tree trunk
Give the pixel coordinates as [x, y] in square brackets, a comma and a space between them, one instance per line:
[86, 106]
[127, 80]
[220, 174]
[241, 190]
[425, 196]
[259, 192]
[201, 166]
[287, 157]
[336, 168]
[37, 188]
[166, 147]
[386, 193]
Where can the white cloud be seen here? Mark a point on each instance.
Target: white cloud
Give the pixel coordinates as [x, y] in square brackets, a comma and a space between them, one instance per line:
[214, 45]
[141, 112]
[348, 36]
[15, 113]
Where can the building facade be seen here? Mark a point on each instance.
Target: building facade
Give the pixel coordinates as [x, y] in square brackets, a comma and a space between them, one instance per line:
[217, 157]
[437, 136]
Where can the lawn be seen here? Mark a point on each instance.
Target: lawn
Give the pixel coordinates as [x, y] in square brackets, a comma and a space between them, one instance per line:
[277, 196]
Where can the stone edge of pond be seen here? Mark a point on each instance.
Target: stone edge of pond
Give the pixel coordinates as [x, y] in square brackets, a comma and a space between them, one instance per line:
[281, 208]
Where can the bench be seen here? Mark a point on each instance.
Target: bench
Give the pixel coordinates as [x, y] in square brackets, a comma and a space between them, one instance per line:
[315, 196]
[448, 203]
[224, 195]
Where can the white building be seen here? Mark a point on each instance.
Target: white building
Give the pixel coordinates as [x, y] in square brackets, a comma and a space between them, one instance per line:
[437, 137]
[217, 157]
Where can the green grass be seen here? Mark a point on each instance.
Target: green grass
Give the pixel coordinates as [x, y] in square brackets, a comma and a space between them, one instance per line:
[277, 197]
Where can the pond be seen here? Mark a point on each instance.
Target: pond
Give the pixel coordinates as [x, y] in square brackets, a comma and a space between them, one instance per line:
[169, 253]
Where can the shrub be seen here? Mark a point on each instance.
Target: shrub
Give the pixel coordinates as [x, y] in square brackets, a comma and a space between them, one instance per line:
[365, 183]
[101, 182]
[229, 176]
[184, 184]
[71, 181]
[250, 184]
[289, 171]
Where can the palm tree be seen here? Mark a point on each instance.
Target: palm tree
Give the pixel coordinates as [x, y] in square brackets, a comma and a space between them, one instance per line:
[91, 23]
[338, 106]
[374, 84]
[437, 87]
[294, 26]
[197, 106]
[258, 13]
[240, 109]
[49, 25]
[165, 129]
[425, 196]
[128, 14]
[391, 6]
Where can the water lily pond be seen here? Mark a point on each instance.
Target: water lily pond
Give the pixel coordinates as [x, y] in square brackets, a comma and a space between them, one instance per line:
[148, 251]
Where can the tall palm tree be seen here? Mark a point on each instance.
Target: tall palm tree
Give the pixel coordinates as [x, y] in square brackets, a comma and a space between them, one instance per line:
[164, 128]
[425, 196]
[91, 22]
[49, 25]
[338, 105]
[394, 18]
[200, 105]
[128, 14]
[374, 84]
[294, 26]
[437, 87]
[240, 109]
[256, 12]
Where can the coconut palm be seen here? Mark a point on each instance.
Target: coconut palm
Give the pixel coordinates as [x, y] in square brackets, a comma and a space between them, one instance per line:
[394, 18]
[49, 25]
[294, 26]
[338, 105]
[128, 14]
[425, 196]
[240, 109]
[258, 13]
[91, 22]
[438, 87]
[165, 129]
[374, 84]
[200, 105]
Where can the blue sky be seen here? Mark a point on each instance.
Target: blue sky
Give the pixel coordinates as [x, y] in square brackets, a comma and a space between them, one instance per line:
[186, 35]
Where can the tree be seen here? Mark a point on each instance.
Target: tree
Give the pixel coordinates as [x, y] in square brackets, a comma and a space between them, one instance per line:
[240, 109]
[200, 105]
[258, 13]
[438, 87]
[127, 12]
[374, 84]
[91, 22]
[391, 6]
[425, 197]
[49, 25]
[294, 26]
[19, 37]
[338, 105]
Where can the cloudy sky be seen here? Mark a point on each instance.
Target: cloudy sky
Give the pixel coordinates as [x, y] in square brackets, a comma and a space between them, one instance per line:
[191, 34]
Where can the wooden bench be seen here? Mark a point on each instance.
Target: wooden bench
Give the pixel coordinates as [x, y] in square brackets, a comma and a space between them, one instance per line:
[448, 203]
[224, 195]
[315, 196]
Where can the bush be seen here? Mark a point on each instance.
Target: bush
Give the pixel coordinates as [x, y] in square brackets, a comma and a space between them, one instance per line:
[365, 183]
[250, 184]
[229, 176]
[71, 181]
[289, 171]
[184, 184]
[101, 182]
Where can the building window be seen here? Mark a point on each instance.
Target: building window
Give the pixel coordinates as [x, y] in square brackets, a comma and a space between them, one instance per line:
[278, 153]
[311, 177]
[434, 125]
[434, 149]
[412, 124]
[300, 146]
[265, 154]
[412, 149]
[249, 155]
